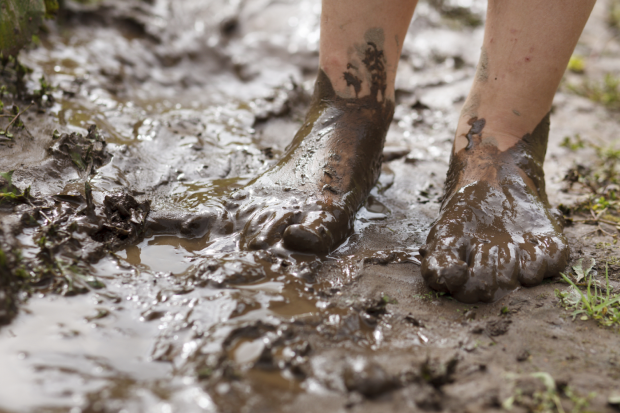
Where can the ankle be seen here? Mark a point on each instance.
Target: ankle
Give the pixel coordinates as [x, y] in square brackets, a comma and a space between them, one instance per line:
[500, 132]
[352, 82]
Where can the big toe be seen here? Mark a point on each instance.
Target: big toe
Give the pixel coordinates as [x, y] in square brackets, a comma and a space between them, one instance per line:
[318, 232]
[492, 272]
[542, 257]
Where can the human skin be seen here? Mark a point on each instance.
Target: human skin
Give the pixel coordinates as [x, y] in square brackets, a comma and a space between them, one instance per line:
[496, 228]
[308, 200]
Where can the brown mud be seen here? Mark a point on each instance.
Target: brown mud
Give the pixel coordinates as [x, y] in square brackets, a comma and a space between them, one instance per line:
[496, 229]
[124, 288]
[309, 199]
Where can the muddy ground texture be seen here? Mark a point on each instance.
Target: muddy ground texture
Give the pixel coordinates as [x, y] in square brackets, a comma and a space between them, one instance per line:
[121, 284]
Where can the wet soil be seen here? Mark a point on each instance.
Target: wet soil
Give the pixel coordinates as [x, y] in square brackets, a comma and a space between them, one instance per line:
[124, 287]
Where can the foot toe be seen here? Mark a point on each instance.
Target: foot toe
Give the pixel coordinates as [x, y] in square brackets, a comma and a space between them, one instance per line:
[301, 238]
[317, 232]
[443, 269]
[482, 280]
[508, 266]
[542, 257]
[491, 270]
[266, 228]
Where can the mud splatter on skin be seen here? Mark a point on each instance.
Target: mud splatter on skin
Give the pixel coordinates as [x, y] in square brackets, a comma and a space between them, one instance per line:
[310, 198]
[476, 129]
[496, 229]
[353, 80]
[375, 64]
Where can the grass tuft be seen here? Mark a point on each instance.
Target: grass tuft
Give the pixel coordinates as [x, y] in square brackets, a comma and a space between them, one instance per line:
[601, 182]
[548, 398]
[596, 301]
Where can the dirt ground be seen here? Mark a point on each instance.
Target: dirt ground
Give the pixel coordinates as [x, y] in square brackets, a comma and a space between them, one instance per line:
[130, 294]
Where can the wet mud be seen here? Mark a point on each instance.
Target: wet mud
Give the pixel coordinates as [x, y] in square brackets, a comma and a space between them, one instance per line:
[496, 229]
[137, 272]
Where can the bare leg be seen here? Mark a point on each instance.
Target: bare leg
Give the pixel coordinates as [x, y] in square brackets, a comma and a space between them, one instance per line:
[496, 228]
[310, 198]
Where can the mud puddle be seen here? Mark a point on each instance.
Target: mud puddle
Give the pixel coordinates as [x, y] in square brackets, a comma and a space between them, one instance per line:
[150, 305]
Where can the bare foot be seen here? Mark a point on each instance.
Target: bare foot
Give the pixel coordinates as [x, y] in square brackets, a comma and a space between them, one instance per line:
[308, 201]
[496, 228]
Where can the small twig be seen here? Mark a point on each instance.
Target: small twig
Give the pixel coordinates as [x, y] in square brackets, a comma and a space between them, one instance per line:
[593, 232]
[601, 213]
[49, 221]
[592, 213]
[17, 116]
[608, 233]
[599, 228]
[596, 221]
[604, 221]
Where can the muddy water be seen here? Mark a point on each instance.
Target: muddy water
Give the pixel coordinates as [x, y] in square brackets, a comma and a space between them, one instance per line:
[195, 100]
[186, 112]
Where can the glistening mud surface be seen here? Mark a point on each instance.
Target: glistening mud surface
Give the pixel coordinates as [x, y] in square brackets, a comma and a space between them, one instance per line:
[144, 302]
[310, 198]
[473, 252]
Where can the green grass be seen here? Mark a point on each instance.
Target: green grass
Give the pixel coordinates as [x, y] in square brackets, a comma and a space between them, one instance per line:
[614, 14]
[601, 180]
[573, 143]
[605, 92]
[595, 302]
[547, 400]
[9, 192]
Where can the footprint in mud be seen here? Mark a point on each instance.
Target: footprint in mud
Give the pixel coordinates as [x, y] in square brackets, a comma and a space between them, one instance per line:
[308, 201]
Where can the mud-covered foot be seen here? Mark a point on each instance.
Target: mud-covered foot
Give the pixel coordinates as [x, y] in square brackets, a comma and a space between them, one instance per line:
[496, 229]
[308, 201]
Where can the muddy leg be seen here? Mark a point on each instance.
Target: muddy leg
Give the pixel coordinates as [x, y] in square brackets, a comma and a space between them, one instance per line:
[310, 198]
[496, 229]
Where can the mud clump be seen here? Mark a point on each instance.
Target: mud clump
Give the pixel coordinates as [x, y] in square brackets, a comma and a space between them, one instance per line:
[86, 153]
[368, 379]
[498, 327]
[125, 220]
[12, 276]
[493, 328]
[276, 349]
[438, 372]
[77, 235]
[71, 231]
